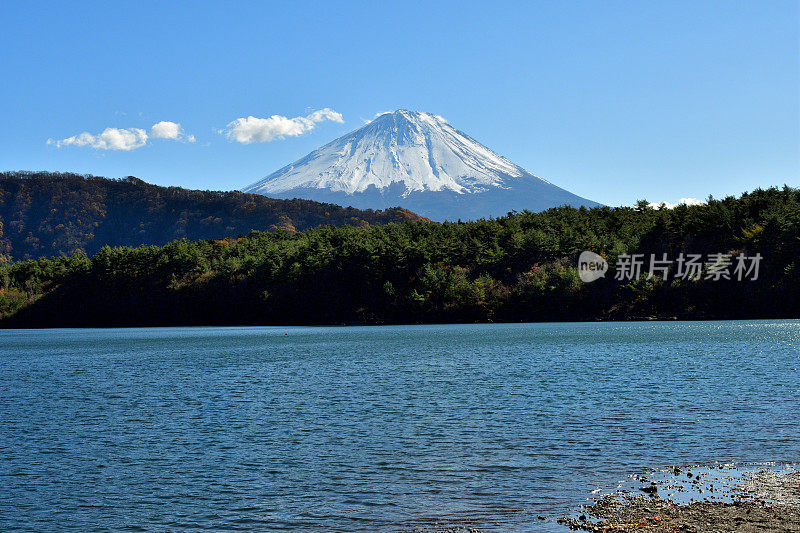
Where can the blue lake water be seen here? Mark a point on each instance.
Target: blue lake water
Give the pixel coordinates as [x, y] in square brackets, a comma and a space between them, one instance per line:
[376, 428]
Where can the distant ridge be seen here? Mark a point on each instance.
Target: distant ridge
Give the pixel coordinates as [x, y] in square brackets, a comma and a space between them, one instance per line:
[43, 214]
[419, 161]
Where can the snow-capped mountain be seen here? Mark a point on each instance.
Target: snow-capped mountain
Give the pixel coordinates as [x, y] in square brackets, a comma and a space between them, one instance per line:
[418, 161]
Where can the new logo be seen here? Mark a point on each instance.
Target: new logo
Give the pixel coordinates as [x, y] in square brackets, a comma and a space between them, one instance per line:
[591, 266]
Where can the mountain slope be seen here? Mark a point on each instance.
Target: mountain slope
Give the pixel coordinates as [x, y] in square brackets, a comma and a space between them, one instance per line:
[45, 214]
[421, 162]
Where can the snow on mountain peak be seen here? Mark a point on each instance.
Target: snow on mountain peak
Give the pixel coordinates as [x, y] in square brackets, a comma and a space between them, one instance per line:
[419, 151]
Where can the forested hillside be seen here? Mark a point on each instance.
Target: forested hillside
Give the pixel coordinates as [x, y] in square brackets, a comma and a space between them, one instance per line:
[517, 268]
[44, 214]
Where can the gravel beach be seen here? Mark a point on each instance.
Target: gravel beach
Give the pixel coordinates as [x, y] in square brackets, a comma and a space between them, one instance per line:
[766, 501]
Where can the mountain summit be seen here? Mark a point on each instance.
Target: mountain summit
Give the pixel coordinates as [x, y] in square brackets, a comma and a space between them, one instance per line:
[419, 161]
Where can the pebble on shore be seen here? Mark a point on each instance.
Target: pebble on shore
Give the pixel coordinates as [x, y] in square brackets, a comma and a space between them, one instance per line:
[768, 502]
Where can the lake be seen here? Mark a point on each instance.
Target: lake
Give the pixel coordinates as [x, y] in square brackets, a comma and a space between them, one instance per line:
[391, 428]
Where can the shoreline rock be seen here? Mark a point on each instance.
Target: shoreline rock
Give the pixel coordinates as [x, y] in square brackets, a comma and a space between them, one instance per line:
[769, 501]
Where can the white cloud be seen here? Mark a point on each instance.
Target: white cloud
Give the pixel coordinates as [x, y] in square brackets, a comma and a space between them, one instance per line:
[252, 129]
[170, 130]
[110, 139]
[365, 121]
[684, 201]
[125, 139]
[166, 130]
[325, 114]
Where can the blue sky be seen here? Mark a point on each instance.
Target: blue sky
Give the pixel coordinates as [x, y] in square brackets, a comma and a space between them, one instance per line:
[615, 101]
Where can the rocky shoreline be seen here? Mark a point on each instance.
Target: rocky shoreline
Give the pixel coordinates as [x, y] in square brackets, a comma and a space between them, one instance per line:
[765, 501]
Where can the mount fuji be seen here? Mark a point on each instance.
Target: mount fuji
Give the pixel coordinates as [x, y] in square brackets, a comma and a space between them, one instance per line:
[418, 161]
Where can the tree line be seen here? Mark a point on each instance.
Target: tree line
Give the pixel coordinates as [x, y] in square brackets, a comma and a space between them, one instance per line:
[521, 267]
[45, 214]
